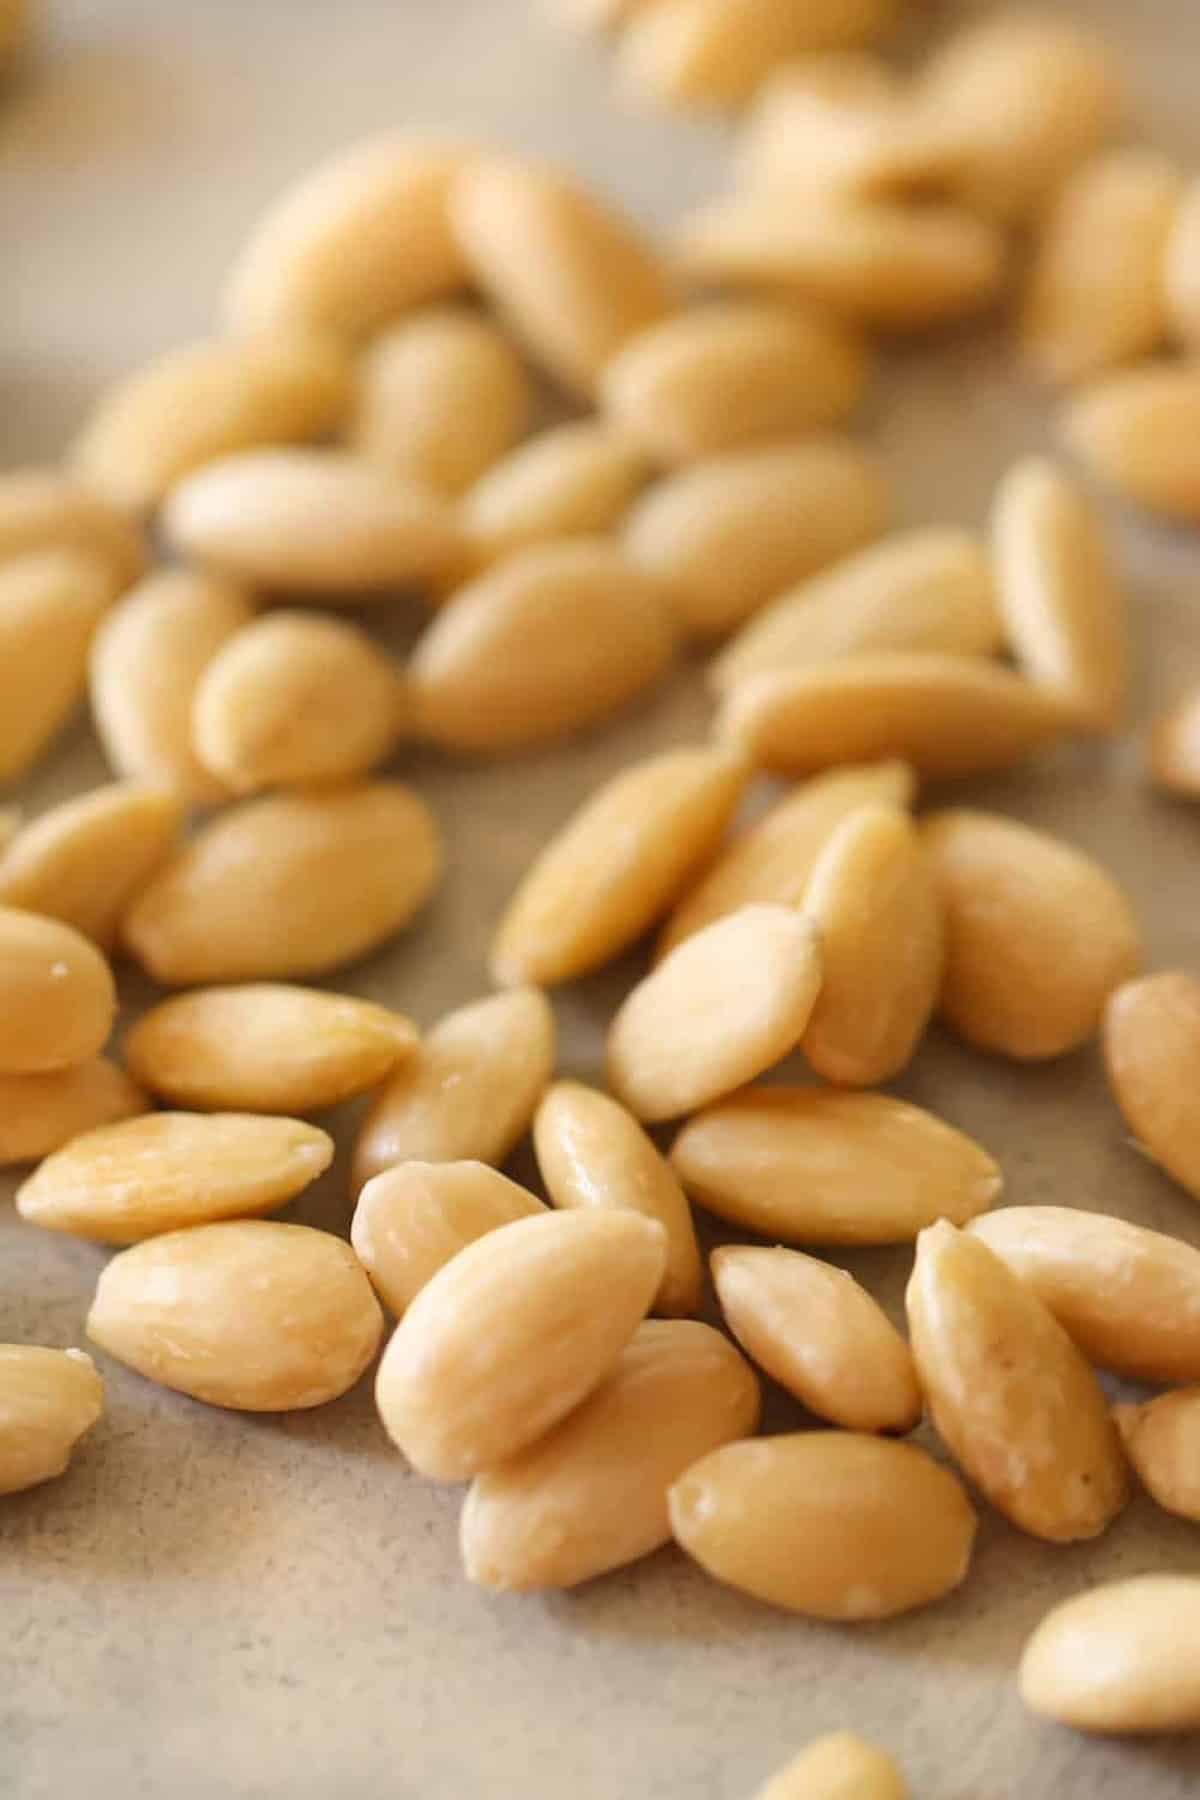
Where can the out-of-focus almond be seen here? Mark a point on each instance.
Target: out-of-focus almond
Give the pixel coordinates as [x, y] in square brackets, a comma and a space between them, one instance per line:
[59, 996]
[1182, 268]
[50, 604]
[1174, 750]
[616, 866]
[44, 509]
[41, 1113]
[592, 1495]
[48, 1399]
[1138, 430]
[1162, 1439]
[10, 823]
[1151, 1043]
[511, 1335]
[1124, 1657]
[573, 481]
[838, 1767]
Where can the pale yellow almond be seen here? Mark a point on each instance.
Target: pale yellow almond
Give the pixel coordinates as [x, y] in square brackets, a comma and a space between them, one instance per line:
[512, 1334]
[48, 1399]
[773, 859]
[838, 1767]
[616, 866]
[551, 640]
[593, 1153]
[1061, 597]
[1037, 935]
[892, 265]
[288, 885]
[50, 604]
[470, 1090]
[59, 996]
[209, 400]
[1124, 1657]
[718, 1010]
[729, 374]
[146, 663]
[164, 1171]
[819, 1335]
[85, 860]
[441, 397]
[265, 1048]
[930, 589]
[413, 1219]
[1181, 277]
[1174, 747]
[591, 1496]
[313, 522]
[250, 1314]
[1011, 1396]
[878, 916]
[576, 480]
[1151, 1043]
[572, 277]
[1162, 1441]
[833, 1524]
[359, 240]
[294, 698]
[830, 1166]
[1137, 430]
[41, 1113]
[45, 509]
[728, 534]
[947, 715]
[1096, 295]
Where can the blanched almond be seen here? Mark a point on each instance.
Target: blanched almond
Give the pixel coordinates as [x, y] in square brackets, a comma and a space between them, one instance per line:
[265, 1048]
[164, 1171]
[729, 534]
[512, 1334]
[1162, 1439]
[43, 509]
[616, 866]
[832, 1524]
[50, 604]
[414, 1218]
[719, 1010]
[1010, 1394]
[293, 698]
[1174, 750]
[289, 885]
[59, 998]
[250, 1314]
[592, 1495]
[1124, 1657]
[469, 1091]
[549, 641]
[574, 279]
[1151, 1044]
[820, 1335]
[1138, 430]
[838, 1767]
[593, 1153]
[573, 481]
[826, 1166]
[48, 1399]
[1037, 935]
[1060, 595]
[41, 1113]
[1182, 268]
[773, 860]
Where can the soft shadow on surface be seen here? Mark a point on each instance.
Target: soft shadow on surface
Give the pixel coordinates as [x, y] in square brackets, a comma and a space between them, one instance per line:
[85, 104]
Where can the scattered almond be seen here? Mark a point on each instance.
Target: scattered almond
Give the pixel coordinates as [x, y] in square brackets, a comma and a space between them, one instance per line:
[838, 1767]
[1174, 751]
[1162, 1440]
[50, 604]
[45, 509]
[48, 1399]
[576, 480]
[1182, 270]
[41, 1113]
[1137, 431]
[59, 999]
[1151, 1043]
[1124, 1657]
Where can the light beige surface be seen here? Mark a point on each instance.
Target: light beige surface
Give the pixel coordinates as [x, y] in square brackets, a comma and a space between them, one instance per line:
[222, 1608]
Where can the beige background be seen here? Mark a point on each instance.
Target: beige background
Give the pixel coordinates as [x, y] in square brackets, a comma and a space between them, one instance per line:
[214, 1605]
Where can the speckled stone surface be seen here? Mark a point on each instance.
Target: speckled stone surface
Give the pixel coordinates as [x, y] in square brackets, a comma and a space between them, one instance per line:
[210, 1605]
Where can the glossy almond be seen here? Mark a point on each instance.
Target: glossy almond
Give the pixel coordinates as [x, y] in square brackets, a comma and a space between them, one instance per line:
[825, 1166]
[1174, 747]
[164, 1171]
[41, 1113]
[250, 1314]
[832, 1524]
[575, 480]
[720, 1009]
[289, 885]
[511, 1335]
[1137, 431]
[265, 1048]
[45, 509]
[592, 1495]
[1037, 935]
[59, 999]
[51, 602]
[1151, 1042]
[1182, 267]
[616, 866]
[48, 1399]
[1162, 1440]
[838, 1767]
[593, 1153]
[1124, 1657]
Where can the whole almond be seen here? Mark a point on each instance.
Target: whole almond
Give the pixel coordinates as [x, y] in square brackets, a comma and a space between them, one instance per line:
[1137, 430]
[593, 1153]
[469, 1091]
[616, 866]
[50, 604]
[551, 640]
[265, 1048]
[1010, 1394]
[48, 1399]
[250, 1314]
[1124, 1657]
[730, 533]
[1037, 935]
[830, 1166]
[512, 1334]
[1182, 267]
[414, 1218]
[1174, 749]
[59, 997]
[838, 1767]
[1162, 1440]
[819, 1335]
[717, 1011]
[1151, 1041]
[41, 1113]
[45, 509]
[164, 1171]
[576, 480]
[288, 885]
[592, 1495]
[833, 1524]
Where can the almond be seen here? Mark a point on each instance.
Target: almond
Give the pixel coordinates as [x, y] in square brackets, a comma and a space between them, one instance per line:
[41, 1113]
[1151, 1040]
[838, 1767]
[59, 995]
[576, 480]
[1175, 747]
[1182, 269]
[48, 1399]
[51, 602]
[1137, 431]
[1162, 1439]
[45, 509]
[1124, 1657]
